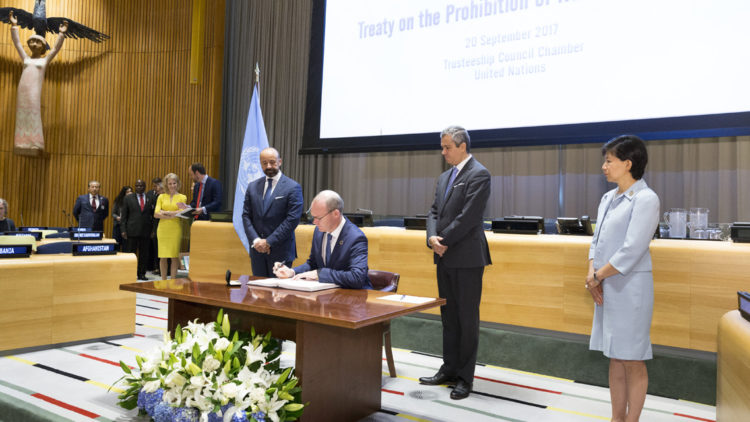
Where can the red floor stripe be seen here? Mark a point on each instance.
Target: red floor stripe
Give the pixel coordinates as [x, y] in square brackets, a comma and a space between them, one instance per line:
[65, 406]
[160, 301]
[392, 392]
[694, 417]
[151, 316]
[518, 385]
[139, 335]
[103, 360]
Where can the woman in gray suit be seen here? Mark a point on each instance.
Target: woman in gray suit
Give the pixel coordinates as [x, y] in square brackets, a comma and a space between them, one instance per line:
[619, 276]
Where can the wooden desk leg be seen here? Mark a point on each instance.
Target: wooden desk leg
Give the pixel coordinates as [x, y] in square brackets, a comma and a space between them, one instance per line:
[339, 370]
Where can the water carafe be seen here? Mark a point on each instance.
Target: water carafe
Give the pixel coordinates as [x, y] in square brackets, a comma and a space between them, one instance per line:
[698, 222]
[676, 219]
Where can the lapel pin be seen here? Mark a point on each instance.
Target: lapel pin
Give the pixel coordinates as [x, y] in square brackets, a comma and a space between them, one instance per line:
[341, 243]
[630, 193]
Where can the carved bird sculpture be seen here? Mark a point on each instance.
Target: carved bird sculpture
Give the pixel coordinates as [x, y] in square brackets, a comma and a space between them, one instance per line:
[41, 24]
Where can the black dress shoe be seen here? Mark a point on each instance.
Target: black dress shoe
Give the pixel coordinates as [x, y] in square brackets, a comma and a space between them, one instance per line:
[461, 390]
[437, 379]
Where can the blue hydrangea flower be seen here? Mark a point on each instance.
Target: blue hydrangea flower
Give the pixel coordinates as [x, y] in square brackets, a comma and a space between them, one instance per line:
[151, 400]
[142, 399]
[163, 412]
[259, 416]
[214, 416]
[185, 414]
[240, 416]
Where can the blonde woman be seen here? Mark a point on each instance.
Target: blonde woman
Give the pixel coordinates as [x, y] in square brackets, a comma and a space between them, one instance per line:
[169, 232]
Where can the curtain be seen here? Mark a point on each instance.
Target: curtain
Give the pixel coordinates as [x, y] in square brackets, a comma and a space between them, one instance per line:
[549, 181]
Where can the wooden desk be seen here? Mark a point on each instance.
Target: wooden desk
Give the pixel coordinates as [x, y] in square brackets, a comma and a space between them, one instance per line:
[51, 299]
[338, 334]
[534, 280]
[733, 368]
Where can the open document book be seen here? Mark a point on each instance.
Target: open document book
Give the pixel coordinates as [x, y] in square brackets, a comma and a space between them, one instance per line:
[288, 283]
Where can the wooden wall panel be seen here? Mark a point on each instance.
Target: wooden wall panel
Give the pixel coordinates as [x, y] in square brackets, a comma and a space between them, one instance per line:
[116, 111]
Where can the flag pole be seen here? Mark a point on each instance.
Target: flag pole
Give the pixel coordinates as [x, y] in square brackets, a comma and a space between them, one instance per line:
[257, 74]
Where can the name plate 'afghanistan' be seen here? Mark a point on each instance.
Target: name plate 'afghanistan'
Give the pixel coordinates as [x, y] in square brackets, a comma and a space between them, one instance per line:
[97, 249]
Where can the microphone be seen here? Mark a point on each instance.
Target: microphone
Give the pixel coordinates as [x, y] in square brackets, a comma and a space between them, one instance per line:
[67, 216]
[365, 210]
[22, 225]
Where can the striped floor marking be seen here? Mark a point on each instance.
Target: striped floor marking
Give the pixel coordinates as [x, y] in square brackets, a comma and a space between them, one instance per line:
[84, 355]
[132, 349]
[54, 401]
[68, 374]
[552, 408]
[8, 398]
[480, 412]
[64, 405]
[151, 316]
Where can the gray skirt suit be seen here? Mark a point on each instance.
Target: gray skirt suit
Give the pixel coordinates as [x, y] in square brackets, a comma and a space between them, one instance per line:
[626, 224]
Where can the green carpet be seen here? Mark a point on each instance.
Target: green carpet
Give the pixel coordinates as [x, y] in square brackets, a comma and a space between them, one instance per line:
[674, 373]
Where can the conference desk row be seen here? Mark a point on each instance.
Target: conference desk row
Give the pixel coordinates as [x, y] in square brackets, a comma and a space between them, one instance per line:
[53, 299]
[535, 280]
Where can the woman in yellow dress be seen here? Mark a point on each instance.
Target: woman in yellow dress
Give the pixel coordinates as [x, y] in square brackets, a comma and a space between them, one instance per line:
[169, 232]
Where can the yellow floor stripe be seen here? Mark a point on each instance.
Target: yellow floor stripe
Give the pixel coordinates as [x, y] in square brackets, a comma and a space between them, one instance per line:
[573, 412]
[695, 402]
[528, 373]
[412, 418]
[155, 328]
[27, 362]
[105, 386]
[401, 376]
[132, 349]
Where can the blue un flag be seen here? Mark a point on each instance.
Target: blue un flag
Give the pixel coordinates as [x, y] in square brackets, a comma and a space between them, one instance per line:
[255, 141]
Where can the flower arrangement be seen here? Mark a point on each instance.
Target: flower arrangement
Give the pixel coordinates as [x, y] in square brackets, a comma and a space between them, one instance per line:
[205, 375]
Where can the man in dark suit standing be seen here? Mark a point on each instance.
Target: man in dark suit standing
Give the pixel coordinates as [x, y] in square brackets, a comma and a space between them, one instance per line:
[455, 233]
[271, 212]
[153, 247]
[339, 248]
[136, 222]
[91, 209]
[206, 193]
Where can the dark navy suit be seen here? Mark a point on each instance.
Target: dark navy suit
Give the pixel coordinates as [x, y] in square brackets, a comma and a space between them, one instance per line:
[276, 223]
[211, 199]
[348, 266]
[86, 216]
[456, 216]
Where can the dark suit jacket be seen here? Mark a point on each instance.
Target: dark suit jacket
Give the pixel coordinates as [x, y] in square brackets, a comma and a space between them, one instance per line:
[348, 266]
[86, 216]
[133, 221]
[276, 224]
[457, 217]
[211, 197]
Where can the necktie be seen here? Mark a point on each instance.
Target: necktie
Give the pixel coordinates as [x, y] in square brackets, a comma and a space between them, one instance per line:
[140, 200]
[267, 195]
[198, 202]
[328, 248]
[450, 182]
[93, 203]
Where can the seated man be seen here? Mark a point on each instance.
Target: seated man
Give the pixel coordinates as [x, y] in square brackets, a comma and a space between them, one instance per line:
[339, 248]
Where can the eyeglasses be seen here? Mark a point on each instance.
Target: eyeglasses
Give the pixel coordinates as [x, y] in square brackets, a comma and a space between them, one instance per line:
[313, 218]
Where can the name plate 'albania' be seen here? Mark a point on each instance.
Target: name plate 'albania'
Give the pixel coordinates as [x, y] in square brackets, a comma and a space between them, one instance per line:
[205, 375]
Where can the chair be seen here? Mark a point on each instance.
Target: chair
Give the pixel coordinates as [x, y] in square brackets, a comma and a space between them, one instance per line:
[386, 281]
[55, 247]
